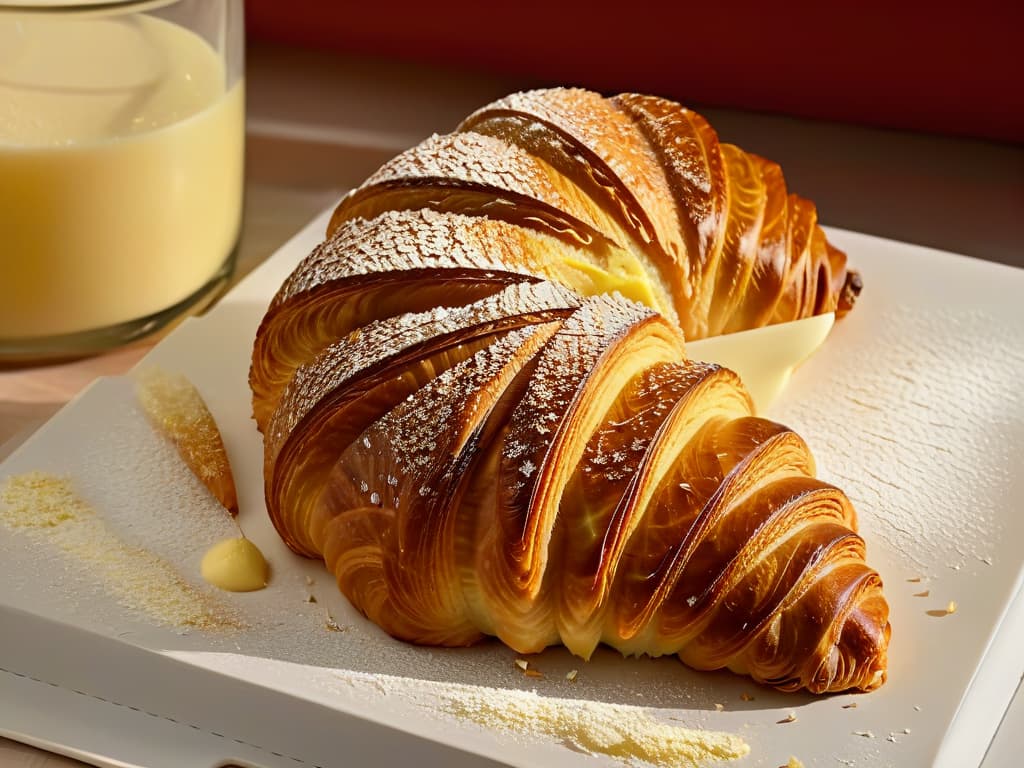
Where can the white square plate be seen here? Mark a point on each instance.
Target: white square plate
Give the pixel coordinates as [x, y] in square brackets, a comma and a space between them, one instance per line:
[913, 406]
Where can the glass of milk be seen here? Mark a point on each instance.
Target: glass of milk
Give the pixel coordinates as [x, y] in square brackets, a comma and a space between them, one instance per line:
[122, 128]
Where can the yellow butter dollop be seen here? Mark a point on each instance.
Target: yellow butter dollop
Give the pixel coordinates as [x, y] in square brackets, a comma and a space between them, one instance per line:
[235, 565]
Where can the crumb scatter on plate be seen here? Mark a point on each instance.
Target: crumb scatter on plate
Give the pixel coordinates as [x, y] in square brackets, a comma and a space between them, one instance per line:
[623, 732]
[47, 508]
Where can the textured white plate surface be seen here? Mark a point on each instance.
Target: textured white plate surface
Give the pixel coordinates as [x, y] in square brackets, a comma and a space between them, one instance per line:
[913, 406]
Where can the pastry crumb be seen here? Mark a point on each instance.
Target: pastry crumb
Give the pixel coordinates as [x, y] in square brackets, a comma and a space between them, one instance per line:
[790, 718]
[947, 611]
[864, 734]
[523, 664]
[333, 626]
[571, 675]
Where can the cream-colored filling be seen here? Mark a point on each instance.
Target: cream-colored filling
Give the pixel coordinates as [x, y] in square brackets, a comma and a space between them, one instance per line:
[765, 358]
[624, 275]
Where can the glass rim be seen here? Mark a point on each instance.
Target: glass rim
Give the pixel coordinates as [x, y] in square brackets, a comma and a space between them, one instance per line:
[98, 7]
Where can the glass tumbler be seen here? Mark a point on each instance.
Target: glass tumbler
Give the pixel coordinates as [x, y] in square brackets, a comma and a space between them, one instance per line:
[122, 129]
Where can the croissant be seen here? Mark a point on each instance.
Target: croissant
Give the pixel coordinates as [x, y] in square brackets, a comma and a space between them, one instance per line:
[478, 411]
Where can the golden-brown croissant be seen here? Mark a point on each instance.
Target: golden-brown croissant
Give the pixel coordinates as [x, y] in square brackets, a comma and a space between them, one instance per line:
[479, 440]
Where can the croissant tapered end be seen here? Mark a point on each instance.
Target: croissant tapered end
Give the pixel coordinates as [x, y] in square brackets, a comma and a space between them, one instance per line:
[852, 655]
[478, 411]
[863, 648]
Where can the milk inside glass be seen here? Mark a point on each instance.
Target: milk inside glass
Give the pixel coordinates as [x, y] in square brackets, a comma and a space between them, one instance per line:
[121, 152]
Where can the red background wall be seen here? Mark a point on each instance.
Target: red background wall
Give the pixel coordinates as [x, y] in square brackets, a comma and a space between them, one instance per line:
[897, 65]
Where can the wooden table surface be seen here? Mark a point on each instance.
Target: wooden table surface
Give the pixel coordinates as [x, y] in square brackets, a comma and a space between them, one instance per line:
[305, 149]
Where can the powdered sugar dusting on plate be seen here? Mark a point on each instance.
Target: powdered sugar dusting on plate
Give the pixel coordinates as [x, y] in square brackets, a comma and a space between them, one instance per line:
[882, 415]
